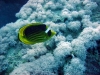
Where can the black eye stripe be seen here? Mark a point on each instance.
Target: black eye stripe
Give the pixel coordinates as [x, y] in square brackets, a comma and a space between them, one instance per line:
[49, 33]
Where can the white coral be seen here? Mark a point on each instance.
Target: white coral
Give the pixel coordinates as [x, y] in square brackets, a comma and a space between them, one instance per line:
[75, 34]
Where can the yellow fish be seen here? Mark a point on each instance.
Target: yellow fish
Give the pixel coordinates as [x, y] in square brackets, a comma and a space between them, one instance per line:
[35, 33]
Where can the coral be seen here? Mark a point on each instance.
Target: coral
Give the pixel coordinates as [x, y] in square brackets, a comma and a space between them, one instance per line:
[63, 54]
[48, 66]
[75, 67]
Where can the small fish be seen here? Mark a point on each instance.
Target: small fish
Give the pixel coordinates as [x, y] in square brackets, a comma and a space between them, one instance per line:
[35, 33]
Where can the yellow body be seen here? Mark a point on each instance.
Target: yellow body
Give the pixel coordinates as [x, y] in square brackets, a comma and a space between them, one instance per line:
[37, 37]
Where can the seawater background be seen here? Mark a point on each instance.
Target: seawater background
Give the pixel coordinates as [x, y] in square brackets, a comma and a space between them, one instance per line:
[8, 9]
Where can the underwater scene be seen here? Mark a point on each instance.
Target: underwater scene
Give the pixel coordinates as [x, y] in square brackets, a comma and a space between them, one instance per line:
[49, 37]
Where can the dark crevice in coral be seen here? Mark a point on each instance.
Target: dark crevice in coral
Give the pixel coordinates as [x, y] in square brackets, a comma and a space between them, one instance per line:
[93, 60]
[3, 72]
[98, 47]
[68, 58]
[66, 19]
[60, 71]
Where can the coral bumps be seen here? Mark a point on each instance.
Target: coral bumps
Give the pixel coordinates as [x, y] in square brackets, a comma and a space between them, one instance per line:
[65, 53]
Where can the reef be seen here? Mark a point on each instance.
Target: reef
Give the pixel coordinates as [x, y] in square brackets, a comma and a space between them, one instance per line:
[74, 50]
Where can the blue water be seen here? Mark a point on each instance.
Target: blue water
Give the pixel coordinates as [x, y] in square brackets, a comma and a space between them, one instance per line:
[8, 9]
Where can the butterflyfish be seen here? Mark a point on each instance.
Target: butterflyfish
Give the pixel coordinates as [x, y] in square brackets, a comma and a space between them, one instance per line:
[35, 33]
